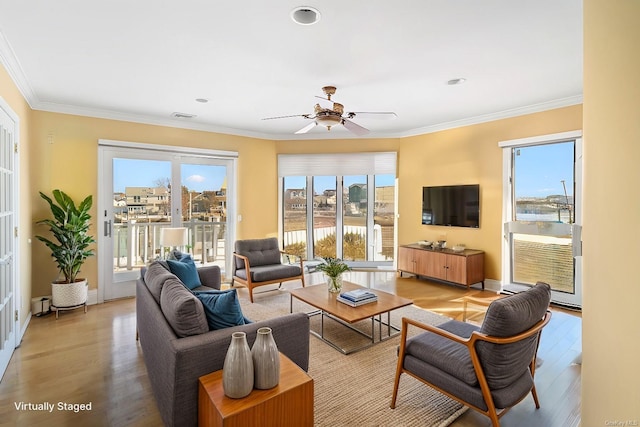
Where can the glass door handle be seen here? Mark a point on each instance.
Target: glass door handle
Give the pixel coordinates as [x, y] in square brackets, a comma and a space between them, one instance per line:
[107, 228]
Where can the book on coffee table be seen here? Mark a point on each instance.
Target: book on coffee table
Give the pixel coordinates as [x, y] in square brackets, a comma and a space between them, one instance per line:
[360, 302]
[357, 295]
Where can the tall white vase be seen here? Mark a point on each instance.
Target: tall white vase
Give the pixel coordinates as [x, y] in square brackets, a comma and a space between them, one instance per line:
[237, 371]
[266, 360]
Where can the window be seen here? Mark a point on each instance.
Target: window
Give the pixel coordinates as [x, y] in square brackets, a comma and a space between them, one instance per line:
[339, 205]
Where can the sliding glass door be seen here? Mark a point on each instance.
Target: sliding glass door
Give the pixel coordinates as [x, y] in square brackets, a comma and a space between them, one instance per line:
[146, 189]
[543, 231]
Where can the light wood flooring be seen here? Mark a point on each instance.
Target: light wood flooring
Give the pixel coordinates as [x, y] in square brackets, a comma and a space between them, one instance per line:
[94, 358]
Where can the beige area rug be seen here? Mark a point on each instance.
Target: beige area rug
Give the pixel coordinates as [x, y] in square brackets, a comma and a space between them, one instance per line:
[356, 389]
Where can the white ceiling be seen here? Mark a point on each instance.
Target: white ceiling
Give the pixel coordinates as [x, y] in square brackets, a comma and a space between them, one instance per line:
[142, 60]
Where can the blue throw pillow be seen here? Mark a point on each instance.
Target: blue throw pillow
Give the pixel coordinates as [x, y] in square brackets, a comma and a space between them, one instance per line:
[186, 271]
[222, 308]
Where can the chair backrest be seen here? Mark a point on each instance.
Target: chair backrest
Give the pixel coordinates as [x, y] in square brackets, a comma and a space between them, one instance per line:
[258, 251]
[509, 316]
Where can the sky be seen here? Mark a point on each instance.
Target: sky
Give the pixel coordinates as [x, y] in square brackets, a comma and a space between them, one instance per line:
[540, 169]
[147, 173]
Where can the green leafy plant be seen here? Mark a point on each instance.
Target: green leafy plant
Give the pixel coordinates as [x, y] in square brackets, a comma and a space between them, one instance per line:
[332, 267]
[70, 227]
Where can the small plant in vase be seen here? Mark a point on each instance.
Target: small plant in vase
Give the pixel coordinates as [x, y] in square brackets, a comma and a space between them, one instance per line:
[333, 269]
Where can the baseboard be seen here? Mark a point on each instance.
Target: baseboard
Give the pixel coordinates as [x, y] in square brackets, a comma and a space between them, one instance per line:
[92, 296]
[492, 285]
[23, 329]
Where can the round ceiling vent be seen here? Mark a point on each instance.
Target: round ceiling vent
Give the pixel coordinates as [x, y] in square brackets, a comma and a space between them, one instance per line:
[305, 15]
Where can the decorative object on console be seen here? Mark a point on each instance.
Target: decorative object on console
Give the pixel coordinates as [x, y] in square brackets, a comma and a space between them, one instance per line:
[237, 371]
[266, 360]
[333, 269]
[458, 248]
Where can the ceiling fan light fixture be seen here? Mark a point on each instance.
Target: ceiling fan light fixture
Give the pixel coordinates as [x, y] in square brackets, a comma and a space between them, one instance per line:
[305, 15]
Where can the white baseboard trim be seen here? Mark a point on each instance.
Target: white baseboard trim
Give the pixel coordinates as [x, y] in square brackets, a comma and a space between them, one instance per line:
[23, 330]
[493, 285]
[92, 296]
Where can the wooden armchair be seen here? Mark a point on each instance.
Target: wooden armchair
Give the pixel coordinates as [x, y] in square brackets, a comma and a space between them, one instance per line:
[258, 262]
[488, 368]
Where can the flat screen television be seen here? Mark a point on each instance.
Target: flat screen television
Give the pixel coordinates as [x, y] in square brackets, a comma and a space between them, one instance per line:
[451, 205]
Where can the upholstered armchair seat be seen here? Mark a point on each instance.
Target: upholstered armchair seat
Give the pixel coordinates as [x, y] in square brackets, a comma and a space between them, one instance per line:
[263, 273]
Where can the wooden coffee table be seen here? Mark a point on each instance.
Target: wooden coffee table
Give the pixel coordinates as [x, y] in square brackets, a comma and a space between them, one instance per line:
[319, 297]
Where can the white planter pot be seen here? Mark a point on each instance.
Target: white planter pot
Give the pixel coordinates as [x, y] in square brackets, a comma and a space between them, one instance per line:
[69, 294]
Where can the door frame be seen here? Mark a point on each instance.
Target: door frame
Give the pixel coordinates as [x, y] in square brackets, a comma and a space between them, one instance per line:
[18, 332]
[507, 207]
[105, 177]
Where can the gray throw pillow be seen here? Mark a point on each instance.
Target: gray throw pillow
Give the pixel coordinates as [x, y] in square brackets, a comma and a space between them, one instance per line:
[182, 309]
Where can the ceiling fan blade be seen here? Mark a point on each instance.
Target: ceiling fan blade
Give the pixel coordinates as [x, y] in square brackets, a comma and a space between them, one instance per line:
[372, 115]
[306, 116]
[307, 128]
[355, 128]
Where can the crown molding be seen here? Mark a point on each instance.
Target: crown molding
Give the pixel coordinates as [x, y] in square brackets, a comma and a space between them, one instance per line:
[10, 62]
[505, 114]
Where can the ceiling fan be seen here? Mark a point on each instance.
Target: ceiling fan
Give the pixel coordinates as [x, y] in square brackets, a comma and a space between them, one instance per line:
[330, 113]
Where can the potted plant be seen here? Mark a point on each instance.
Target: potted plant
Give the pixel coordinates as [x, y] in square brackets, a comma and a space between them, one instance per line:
[70, 249]
[333, 269]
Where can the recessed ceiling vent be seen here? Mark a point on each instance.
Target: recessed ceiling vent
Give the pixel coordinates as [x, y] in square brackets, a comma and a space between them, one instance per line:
[183, 115]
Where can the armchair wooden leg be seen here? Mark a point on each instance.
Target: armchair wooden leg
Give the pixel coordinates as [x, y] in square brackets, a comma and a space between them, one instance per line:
[250, 293]
[535, 397]
[396, 384]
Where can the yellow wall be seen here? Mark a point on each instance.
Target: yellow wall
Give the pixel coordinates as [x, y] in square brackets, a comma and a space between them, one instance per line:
[64, 154]
[468, 155]
[611, 318]
[12, 96]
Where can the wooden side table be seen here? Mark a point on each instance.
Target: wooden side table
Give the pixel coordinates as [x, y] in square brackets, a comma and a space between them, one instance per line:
[290, 403]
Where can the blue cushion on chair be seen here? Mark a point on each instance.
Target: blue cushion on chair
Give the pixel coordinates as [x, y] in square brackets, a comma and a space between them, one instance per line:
[222, 308]
[186, 271]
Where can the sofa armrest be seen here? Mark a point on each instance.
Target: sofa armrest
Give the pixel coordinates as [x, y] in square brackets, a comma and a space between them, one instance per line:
[210, 276]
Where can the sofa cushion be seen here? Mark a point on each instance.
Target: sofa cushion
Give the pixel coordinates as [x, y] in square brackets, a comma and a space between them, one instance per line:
[222, 308]
[258, 251]
[186, 271]
[264, 273]
[154, 277]
[183, 311]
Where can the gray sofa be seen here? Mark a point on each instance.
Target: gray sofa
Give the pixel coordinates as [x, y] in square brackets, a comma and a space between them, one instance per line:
[175, 363]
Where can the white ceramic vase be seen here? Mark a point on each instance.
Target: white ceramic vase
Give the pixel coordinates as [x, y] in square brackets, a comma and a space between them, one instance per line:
[237, 371]
[266, 360]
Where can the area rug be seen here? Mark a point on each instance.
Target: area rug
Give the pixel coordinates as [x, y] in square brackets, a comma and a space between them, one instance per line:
[356, 389]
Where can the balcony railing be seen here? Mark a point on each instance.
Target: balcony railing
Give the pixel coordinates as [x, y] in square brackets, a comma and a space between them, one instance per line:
[136, 244]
